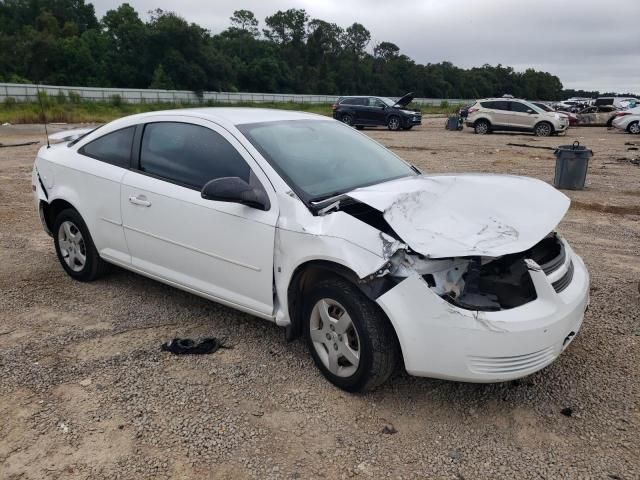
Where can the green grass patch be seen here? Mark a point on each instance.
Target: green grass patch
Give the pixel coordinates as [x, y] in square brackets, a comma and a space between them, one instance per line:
[70, 111]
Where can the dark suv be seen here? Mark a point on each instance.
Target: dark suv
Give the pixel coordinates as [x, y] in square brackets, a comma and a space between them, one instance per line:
[374, 111]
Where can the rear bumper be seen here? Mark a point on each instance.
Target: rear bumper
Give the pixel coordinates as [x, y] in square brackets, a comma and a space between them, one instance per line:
[442, 341]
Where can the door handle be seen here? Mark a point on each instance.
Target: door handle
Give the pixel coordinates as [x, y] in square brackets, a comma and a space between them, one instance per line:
[140, 200]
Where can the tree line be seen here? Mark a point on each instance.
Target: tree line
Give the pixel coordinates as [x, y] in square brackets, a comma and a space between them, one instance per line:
[62, 42]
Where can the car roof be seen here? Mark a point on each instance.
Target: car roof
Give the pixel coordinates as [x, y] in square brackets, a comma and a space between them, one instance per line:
[236, 115]
[504, 99]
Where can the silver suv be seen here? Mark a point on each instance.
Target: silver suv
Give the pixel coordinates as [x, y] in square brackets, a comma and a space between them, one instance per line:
[512, 114]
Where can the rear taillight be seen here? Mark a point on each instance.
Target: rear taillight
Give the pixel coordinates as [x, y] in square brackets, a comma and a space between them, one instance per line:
[471, 110]
[334, 106]
[622, 114]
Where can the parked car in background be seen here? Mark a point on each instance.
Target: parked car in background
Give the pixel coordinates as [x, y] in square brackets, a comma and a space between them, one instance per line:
[502, 114]
[364, 111]
[573, 119]
[619, 102]
[601, 115]
[299, 220]
[628, 120]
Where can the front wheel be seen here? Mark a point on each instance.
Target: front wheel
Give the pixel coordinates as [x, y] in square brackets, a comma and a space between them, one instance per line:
[349, 337]
[393, 123]
[543, 129]
[634, 128]
[75, 249]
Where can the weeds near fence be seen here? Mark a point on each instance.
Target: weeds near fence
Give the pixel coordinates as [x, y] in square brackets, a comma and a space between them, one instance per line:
[71, 109]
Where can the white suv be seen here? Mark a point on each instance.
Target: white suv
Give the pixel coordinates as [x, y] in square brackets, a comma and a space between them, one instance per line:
[501, 114]
[308, 223]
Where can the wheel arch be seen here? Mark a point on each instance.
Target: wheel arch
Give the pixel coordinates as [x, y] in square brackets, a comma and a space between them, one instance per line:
[310, 272]
[628, 129]
[50, 210]
[482, 119]
[553, 129]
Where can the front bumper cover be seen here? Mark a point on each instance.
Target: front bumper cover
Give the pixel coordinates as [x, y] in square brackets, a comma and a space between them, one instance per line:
[440, 340]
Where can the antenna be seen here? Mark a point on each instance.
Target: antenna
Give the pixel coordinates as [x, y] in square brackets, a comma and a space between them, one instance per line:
[44, 115]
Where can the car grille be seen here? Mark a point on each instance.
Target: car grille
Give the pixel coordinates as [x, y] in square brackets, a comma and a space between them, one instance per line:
[515, 364]
[564, 281]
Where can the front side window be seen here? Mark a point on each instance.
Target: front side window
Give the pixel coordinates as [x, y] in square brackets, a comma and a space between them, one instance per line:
[113, 148]
[519, 107]
[376, 102]
[320, 159]
[189, 155]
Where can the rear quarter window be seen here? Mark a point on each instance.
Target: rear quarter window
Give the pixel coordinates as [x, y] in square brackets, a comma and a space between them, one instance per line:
[113, 148]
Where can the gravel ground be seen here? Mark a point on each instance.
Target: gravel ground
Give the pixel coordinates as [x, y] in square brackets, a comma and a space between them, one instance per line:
[86, 393]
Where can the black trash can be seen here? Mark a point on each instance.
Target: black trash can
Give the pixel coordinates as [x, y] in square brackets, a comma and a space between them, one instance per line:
[452, 122]
[572, 162]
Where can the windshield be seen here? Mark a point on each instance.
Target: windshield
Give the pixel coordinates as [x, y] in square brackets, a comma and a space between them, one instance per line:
[321, 159]
[387, 101]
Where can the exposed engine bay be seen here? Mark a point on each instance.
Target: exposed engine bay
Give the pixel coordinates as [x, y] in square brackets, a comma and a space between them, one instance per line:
[479, 283]
[484, 283]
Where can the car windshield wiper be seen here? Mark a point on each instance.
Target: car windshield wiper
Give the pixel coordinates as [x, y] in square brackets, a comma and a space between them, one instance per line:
[327, 196]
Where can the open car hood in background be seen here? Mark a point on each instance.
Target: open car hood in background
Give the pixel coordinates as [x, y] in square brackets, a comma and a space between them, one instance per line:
[404, 101]
[467, 215]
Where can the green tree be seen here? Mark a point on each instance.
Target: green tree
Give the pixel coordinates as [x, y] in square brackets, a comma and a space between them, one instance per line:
[161, 79]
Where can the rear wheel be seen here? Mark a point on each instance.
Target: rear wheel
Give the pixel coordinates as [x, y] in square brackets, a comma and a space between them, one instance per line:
[349, 337]
[394, 123]
[75, 249]
[347, 119]
[482, 127]
[543, 129]
[634, 128]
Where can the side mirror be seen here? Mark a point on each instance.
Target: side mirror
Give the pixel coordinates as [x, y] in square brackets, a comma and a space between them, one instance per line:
[235, 190]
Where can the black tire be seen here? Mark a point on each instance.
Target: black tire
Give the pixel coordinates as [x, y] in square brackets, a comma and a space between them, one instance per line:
[409, 127]
[634, 128]
[378, 348]
[394, 123]
[482, 127]
[347, 119]
[93, 265]
[543, 129]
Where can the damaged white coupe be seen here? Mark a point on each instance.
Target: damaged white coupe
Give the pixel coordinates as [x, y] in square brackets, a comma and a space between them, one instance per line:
[308, 223]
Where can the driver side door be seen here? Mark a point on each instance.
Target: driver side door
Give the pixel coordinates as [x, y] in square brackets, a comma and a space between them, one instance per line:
[220, 250]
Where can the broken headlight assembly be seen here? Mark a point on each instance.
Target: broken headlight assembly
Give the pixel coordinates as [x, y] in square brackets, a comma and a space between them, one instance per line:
[492, 284]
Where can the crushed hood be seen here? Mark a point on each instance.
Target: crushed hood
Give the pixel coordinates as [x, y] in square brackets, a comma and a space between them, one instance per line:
[463, 215]
[404, 101]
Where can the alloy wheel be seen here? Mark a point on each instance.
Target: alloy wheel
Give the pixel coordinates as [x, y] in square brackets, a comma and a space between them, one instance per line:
[72, 246]
[335, 338]
[394, 123]
[634, 128]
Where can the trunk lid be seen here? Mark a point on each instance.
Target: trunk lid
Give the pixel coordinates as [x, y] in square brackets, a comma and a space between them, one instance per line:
[467, 215]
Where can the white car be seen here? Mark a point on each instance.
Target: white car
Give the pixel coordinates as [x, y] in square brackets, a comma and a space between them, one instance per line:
[303, 221]
[628, 120]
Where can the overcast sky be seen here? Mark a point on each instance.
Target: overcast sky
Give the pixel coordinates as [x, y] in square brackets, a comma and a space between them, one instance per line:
[589, 44]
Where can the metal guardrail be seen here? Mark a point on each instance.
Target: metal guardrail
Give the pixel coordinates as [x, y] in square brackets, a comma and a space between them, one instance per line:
[28, 93]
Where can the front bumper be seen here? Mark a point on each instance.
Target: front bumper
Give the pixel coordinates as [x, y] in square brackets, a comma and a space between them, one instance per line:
[411, 120]
[440, 340]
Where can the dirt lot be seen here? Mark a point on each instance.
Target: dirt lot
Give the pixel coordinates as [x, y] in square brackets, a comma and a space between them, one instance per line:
[86, 393]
